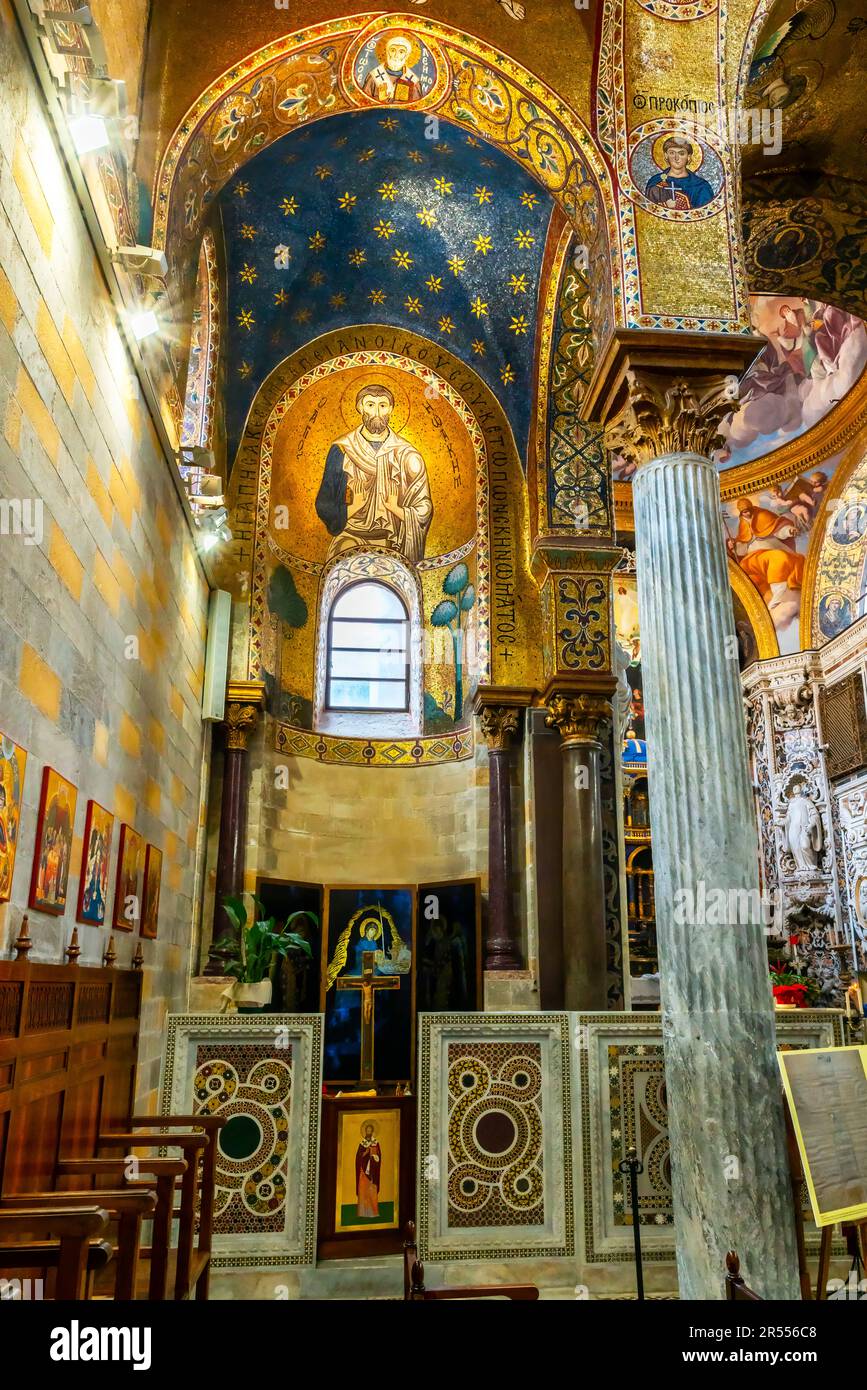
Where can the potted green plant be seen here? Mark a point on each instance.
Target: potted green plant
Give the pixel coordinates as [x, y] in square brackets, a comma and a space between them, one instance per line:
[255, 955]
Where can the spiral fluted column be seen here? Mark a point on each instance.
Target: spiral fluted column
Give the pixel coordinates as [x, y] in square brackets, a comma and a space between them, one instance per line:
[730, 1176]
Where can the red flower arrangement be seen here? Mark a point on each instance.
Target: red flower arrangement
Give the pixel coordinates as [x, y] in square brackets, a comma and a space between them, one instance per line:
[791, 994]
[789, 988]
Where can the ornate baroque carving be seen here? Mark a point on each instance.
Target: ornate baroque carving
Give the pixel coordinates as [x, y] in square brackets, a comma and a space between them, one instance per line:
[671, 415]
[793, 708]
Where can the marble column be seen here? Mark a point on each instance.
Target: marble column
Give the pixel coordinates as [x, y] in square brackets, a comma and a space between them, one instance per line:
[730, 1175]
[499, 724]
[242, 712]
[581, 721]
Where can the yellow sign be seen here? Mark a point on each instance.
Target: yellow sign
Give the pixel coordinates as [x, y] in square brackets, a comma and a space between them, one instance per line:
[826, 1088]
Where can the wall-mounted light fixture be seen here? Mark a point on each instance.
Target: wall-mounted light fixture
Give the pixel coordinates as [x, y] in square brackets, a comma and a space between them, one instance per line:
[89, 133]
[144, 324]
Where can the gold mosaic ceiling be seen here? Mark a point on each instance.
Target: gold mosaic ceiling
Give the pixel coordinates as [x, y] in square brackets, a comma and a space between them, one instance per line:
[193, 43]
[805, 209]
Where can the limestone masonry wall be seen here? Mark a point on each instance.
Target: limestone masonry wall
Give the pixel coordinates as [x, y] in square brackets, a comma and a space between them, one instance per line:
[103, 618]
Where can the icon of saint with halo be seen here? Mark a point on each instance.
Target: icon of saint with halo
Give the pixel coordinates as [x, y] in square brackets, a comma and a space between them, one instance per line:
[375, 492]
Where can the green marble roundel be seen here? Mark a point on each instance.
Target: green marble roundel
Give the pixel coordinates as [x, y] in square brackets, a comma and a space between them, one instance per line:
[240, 1137]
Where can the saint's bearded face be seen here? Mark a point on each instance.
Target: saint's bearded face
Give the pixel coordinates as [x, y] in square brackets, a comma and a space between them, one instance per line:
[375, 414]
[396, 54]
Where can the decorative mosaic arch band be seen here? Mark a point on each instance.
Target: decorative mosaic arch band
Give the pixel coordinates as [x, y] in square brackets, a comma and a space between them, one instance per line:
[323, 71]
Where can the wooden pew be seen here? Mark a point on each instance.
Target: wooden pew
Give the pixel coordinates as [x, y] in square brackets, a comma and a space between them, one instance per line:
[68, 1052]
[414, 1290]
[736, 1289]
[161, 1174]
[188, 1262]
[63, 1239]
[127, 1209]
[211, 1124]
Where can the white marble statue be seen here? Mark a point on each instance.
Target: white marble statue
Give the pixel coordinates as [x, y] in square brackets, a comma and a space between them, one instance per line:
[803, 830]
[622, 700]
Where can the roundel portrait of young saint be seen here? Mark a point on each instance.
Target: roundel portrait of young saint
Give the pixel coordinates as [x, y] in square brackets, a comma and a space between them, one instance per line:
[677, 173]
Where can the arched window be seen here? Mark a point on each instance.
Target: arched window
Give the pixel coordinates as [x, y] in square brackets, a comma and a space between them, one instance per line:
[368, 651]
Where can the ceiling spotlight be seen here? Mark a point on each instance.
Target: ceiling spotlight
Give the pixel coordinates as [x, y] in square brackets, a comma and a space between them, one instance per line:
[145, 324]
[89, 133]
[209, 540]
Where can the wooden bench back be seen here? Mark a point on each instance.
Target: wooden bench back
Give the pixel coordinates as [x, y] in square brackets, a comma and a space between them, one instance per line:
[68, 1049]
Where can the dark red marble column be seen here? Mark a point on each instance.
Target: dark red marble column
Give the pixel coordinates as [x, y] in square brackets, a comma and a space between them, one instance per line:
[502, 949]
[241, 717]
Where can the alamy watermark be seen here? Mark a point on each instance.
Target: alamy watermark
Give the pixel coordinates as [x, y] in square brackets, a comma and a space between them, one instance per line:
[22, 516]
[704, 906]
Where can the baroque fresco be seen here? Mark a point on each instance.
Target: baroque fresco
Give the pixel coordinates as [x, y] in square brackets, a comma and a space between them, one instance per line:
[814, 355]
[768, 536]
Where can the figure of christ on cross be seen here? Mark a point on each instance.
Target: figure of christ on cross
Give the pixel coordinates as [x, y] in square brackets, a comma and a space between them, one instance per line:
[368, 983]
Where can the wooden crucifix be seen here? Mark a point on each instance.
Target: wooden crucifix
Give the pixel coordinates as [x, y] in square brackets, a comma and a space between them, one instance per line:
[368, 983]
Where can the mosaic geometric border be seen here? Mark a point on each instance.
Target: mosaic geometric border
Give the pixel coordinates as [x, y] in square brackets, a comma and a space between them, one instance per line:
[296, 1243]
[609, 1046]
[385, 752]
[556, 1237]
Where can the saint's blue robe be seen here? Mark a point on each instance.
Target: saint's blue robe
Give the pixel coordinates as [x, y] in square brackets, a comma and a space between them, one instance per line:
[697, 189]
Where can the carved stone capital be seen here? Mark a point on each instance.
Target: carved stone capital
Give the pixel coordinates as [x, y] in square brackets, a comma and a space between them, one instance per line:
[578, 718]
[244, 699]
[498, 724]
[670, 414]
[240, 722]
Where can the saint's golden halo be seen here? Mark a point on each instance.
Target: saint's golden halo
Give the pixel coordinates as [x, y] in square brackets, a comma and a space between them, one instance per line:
[696, 157]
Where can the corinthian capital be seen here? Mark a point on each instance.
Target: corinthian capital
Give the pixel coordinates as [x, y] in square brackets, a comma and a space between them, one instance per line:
[498, 724]
[240, 722]
[244, 699]
[579, 718]
[670, 414]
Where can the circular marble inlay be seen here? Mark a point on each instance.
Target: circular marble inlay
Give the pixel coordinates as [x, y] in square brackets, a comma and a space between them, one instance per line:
[240, 1137]
[495, 1132]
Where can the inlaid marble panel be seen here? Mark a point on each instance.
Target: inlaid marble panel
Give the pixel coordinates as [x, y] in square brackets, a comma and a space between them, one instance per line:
[264, 1073]
[495, 1136]
[622, 1103]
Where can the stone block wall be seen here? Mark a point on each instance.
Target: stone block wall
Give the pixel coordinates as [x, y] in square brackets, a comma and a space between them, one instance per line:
[367, 825]
[104, 606]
